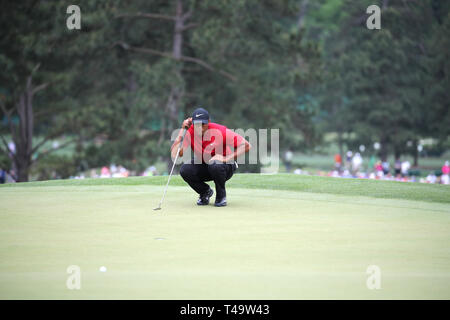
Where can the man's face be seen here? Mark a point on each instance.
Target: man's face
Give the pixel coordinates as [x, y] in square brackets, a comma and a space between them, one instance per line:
[200, 128]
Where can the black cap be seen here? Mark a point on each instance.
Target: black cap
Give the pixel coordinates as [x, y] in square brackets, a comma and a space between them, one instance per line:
[200, 115]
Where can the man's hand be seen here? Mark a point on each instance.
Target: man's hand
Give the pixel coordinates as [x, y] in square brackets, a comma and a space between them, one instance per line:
[219, 158]
[187, 123]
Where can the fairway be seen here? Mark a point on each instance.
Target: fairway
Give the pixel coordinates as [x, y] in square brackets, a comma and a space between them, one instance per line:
[307, 238]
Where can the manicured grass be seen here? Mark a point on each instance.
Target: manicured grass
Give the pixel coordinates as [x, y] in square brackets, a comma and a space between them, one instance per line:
[291, 182]
[280, 237]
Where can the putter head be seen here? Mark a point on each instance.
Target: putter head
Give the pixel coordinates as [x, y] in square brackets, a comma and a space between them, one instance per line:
[157, 208]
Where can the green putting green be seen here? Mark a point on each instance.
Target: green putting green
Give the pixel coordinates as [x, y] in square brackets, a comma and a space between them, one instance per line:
[280, 237]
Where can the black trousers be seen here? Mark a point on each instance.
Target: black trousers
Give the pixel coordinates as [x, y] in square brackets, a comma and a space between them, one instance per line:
[196, 175]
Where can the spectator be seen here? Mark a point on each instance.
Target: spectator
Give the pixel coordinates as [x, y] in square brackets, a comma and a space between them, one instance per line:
[12, 147]
[397, 167]
[348, 159]
[338, 162]
[2, 176]
[123, 172]
[288, 160]
[105, 173]
[93, 174]
[379, 170]
[150, 171]
[378, 166]
[334, 174]
[405, 168]
[356, 162]
[431, 178]
[445, 173]
[386, 167]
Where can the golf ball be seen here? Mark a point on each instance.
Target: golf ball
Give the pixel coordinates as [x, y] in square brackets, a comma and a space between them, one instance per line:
[102, 269]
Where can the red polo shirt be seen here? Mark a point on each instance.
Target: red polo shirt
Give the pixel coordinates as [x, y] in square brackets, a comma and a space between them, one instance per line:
[217, 139]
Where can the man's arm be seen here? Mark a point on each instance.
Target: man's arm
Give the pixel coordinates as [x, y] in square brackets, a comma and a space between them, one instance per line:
[242, 148]
[173, 149]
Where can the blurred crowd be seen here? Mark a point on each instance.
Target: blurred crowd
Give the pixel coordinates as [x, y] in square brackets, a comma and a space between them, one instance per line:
[353, 167]
[114, 171]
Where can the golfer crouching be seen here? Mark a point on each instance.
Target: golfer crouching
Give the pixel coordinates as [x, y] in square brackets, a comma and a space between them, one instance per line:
[213, 159]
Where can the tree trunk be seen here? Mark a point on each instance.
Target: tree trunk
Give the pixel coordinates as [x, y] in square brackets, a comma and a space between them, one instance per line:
[396, 153]
[178, 34]
[177, 91]
[23, 168]
[25, 140]
[383, 150]
[23, 137]
[302, 14]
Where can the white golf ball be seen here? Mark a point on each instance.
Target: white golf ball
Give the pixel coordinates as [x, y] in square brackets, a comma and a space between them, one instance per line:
[102, 269]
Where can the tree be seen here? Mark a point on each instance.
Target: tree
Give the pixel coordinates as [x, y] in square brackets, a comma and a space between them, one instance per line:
[383, 75]
[119, 85]
[437, 93]
[52, 76]
[243, 61]
[26, 52]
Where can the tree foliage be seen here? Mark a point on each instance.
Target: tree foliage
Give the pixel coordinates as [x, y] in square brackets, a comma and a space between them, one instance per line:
[120, 85]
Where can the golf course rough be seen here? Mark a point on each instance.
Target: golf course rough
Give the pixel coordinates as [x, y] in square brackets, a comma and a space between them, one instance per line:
[280, 237]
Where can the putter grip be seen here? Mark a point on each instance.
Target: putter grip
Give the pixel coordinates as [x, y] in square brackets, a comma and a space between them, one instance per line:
[180, 145]
[184, 134]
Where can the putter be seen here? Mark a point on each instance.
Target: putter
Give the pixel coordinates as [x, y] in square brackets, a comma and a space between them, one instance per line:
[170, 175]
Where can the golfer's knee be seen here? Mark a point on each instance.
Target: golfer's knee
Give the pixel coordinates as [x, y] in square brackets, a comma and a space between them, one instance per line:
[185, 171]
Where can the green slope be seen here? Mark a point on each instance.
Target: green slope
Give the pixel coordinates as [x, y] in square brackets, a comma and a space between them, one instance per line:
[315, 184]
[267, 244]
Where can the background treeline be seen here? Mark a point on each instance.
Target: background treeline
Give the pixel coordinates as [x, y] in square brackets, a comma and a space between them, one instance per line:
[113, 91]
